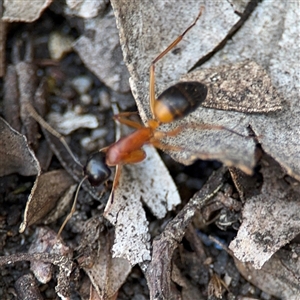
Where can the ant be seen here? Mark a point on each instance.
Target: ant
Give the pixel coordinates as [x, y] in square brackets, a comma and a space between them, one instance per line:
[174, 103]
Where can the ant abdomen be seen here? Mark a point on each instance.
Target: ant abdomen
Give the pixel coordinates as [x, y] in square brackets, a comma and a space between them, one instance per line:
[96, 169]
[179, 100]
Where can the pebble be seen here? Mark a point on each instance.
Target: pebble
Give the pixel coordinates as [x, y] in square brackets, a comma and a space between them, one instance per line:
[82, 84]
[59, 45]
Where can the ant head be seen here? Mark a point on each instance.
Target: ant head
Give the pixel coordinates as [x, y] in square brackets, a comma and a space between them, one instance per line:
[96, 169]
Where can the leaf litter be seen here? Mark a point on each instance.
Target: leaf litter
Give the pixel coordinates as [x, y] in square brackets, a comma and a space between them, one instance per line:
[268, 127]
[139, 82]
[277, 213]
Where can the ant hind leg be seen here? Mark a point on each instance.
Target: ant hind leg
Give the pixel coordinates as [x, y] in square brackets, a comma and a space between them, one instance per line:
[160, 56]
[178, 129]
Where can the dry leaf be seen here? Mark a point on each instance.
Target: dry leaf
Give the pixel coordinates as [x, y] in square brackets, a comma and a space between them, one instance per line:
[274, 46]
[149, 182]
[107, 274]
[24, 11]
[85, 8]
[100, 50]
[158, 271]
[132, 240]
[44, 197]
[140, 49]
[244, 87]
[16, 156]
[270, 219]
[279, 276]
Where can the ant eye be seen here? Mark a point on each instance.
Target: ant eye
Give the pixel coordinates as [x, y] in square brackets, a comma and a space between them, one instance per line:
[96, 169]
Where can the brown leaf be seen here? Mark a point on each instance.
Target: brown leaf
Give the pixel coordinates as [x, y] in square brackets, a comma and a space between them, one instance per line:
[107, 274]
[47, 190]
[15, 155]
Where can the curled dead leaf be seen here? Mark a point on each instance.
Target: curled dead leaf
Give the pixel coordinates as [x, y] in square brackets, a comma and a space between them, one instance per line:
[44, 196]
[16, 156]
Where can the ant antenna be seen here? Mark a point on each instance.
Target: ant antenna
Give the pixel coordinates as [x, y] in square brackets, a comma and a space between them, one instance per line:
[73, 209]
[96, 171]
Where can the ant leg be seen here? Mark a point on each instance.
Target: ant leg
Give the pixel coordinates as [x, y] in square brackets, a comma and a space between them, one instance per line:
[126, 114]
[121, 118]
[178, 129]
[164, 147]
[116, 182]
[161, 55]
[34, 114]
[132, 158]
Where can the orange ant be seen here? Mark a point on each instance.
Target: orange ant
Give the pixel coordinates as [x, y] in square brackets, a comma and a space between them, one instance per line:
[174, 103]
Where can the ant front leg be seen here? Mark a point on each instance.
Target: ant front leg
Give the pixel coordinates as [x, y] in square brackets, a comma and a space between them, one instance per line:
[122, 118]
[160, 56]
[133, 157]
[116, 182]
